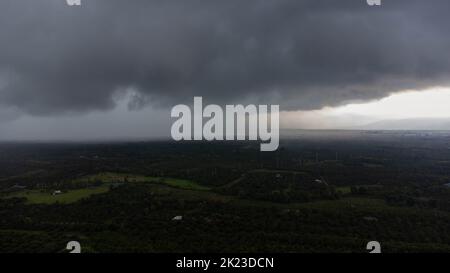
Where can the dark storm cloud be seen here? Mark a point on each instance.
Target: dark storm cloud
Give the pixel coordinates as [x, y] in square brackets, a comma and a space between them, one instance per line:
[300, 54]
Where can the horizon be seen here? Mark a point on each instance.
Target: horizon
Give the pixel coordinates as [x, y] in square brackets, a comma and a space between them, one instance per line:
[283, 136]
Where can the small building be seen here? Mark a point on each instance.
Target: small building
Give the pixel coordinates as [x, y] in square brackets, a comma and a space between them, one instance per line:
[321, 181]
[177, 218]
[56, 192]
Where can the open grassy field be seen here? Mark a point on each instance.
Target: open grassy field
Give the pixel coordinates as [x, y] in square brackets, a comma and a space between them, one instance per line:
[38, 197]
[109, 177]
[344, 190]
[106, 178]
[182, 183]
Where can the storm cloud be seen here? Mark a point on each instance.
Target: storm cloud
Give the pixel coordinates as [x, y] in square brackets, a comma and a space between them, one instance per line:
[299, 54]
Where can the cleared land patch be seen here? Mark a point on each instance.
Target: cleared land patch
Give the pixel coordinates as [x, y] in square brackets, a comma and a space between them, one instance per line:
[70, 196]
[109, 177]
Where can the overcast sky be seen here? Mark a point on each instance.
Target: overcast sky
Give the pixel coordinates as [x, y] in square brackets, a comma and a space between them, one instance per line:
[114, 68]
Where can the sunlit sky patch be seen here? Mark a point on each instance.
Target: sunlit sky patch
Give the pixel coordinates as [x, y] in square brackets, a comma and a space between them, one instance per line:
[433, 103]
[425, 104]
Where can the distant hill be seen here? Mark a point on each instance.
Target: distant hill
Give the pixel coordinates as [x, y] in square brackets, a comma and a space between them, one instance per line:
[409, 124]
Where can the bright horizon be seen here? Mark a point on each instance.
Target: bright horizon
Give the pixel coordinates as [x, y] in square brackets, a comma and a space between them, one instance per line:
[432, 103]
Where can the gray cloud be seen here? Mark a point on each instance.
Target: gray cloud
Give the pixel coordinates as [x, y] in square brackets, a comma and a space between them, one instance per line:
[300, 54]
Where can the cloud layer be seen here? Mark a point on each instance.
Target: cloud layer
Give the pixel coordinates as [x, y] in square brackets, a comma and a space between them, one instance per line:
[300, 54]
